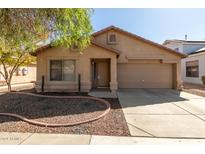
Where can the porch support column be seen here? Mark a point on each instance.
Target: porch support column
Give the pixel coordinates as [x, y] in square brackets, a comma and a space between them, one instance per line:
[113, 74]
[179, 81]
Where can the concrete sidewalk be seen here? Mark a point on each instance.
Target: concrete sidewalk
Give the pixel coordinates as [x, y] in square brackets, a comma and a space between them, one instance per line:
[11, 138]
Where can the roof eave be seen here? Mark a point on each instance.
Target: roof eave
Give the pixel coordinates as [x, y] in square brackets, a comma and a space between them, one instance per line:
[92, 42]
[105, 47]
[195, 53]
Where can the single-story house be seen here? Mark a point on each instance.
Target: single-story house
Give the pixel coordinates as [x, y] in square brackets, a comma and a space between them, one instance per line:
[115, 59]
[193, 66]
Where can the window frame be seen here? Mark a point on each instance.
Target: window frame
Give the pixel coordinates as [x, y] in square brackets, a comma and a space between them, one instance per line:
[62, 70]
[108, 38]
[190, 67]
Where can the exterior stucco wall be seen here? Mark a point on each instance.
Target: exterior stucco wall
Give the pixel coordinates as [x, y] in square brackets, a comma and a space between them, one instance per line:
[83, 67]
[29, 77]
[136, 49]
[201, 59]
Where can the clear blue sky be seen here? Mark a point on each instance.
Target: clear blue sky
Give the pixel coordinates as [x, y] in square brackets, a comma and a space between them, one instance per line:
[154, 24]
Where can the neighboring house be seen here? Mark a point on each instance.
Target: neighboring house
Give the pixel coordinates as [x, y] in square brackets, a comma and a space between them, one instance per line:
[24, 74]
[193, 66]
[115, 59]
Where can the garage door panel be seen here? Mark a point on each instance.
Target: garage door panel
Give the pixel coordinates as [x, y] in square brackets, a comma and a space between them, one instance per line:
[136, 75]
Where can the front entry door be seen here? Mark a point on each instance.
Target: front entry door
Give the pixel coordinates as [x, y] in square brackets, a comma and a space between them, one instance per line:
[101, 73]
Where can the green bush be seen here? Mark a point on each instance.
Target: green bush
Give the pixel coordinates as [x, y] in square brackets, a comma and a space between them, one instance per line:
[203, 79]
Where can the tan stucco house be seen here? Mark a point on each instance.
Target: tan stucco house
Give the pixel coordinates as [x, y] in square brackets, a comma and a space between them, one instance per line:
[115, 59]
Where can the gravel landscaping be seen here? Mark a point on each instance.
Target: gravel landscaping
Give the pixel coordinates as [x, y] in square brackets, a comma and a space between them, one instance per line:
[55, 110]
[195, 89]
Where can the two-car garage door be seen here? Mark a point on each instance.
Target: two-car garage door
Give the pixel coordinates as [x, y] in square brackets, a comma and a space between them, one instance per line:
[145, 75]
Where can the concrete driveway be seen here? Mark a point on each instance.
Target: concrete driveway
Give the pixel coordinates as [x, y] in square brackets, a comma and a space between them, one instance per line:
[163, 113]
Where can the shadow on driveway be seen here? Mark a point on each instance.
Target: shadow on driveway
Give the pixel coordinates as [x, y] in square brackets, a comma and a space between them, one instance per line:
[143, 97]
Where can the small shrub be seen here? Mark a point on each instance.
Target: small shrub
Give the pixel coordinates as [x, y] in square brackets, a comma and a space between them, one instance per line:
[203, 79]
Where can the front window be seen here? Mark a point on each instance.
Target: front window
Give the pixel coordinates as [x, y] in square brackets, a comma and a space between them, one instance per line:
[192, 69]
[62, 70]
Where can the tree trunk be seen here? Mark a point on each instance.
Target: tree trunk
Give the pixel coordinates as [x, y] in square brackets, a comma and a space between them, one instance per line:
[9, 86]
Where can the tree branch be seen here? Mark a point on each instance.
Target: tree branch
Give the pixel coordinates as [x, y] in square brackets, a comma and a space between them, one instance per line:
[2, 74]
[17, 64]
[5, 71]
